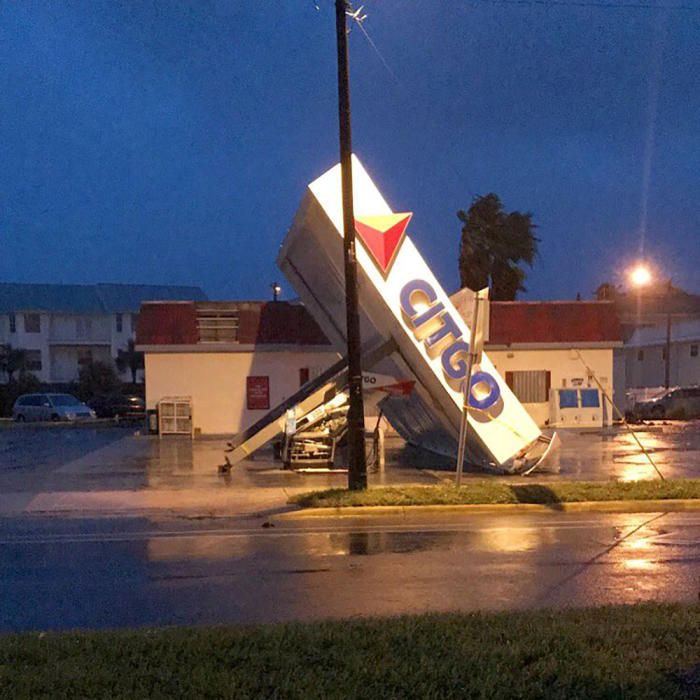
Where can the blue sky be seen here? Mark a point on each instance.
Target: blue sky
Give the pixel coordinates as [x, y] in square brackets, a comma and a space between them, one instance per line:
[171, 141]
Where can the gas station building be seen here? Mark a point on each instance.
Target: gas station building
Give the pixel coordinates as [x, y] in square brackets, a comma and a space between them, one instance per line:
[234, 361]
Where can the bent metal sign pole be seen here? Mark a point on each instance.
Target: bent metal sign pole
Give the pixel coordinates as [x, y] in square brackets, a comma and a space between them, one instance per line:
[401, 301]
[476, 348]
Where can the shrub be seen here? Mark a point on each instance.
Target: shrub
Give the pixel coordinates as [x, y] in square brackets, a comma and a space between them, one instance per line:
[26, 383]
[97, 378]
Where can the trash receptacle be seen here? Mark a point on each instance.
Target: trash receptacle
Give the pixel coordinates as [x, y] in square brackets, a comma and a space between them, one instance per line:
[152, 421]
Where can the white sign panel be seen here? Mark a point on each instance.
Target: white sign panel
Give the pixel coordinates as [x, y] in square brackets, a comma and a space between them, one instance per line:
[400, 299]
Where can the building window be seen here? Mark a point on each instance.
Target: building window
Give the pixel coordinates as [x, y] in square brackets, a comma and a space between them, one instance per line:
[694, 350]
[590, 398]
[33, 360]
[13, 323]
[119, 323]
[640, 355]
[568, 398]
[530, 386]
[32, 323]
[303, 375]
[83, 327]
[217, 325]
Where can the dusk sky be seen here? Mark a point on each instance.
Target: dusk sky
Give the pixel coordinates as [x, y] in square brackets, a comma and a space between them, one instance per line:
[164, 141]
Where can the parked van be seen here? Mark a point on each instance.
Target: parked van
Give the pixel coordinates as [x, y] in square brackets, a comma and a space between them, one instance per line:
[683, 402]
[50, 407]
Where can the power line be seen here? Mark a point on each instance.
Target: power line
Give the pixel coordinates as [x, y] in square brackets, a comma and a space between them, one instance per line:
[361, 24]
[597, 4]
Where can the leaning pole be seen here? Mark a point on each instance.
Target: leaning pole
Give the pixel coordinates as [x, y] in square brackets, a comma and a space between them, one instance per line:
[357, 467]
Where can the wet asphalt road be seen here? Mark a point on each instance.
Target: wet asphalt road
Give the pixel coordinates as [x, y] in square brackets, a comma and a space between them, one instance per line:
[68, 573]
[154, 568]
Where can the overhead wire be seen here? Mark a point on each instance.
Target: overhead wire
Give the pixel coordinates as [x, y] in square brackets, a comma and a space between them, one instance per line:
[597, 4]
[376, 50]
[360, 22]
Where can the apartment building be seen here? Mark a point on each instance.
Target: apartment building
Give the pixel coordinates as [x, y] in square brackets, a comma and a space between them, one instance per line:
[62, 326]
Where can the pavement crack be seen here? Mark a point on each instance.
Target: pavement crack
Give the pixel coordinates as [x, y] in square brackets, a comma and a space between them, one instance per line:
[304, 571]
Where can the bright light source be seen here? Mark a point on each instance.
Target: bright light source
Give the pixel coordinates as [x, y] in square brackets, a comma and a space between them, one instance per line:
[640, 275]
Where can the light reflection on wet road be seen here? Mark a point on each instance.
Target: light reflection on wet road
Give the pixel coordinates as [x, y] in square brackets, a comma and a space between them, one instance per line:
[128, 572]
[674, 448]
[56, 459]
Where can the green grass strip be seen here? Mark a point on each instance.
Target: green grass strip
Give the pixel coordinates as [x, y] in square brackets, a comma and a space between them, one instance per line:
[495, 492]
[643, 651]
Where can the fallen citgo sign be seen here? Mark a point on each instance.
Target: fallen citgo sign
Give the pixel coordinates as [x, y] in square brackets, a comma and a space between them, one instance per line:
[404, 309]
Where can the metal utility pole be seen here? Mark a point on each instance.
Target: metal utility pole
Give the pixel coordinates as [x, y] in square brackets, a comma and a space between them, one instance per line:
[357, 468]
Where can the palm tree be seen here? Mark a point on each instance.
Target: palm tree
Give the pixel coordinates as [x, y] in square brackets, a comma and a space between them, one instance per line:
[12, 360]
[131, 359]
[493, 242]
[607, 292]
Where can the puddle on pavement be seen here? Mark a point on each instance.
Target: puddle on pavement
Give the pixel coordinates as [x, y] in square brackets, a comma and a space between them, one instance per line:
[346, 544]
[215, 547]
[370, 543]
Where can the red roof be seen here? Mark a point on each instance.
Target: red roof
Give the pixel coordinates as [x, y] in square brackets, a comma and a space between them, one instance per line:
[167, 323]
[259, 323]
[553, 322]
[282, 323]
[279, 323]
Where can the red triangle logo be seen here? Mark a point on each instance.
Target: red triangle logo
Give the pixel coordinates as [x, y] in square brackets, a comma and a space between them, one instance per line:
[382, 236]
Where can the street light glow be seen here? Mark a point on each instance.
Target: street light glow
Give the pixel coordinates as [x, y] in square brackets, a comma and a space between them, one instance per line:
[640, 275]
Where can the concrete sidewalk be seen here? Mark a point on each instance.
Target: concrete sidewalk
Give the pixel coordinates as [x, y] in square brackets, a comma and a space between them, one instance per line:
[115, 471]
[186, 502]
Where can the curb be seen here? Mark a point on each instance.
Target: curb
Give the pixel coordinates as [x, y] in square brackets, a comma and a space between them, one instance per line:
[665, 505]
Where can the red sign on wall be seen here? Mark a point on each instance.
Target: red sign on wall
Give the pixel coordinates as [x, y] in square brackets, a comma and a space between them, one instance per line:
[258, 393]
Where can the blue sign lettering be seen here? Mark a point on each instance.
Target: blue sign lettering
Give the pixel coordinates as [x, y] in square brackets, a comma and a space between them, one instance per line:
[449, 328]
[494, 391]
[409, 290]
[455, 370]
[454, 356]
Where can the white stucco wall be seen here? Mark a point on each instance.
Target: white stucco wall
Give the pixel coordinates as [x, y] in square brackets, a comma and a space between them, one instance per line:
[687, 367]
[565, 367]
[216, 382]
[650, 371]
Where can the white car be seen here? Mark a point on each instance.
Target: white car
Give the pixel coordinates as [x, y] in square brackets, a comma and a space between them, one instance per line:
[52, 407]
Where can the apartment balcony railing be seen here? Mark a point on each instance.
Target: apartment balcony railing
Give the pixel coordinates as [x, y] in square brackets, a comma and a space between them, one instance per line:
[68, 336]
